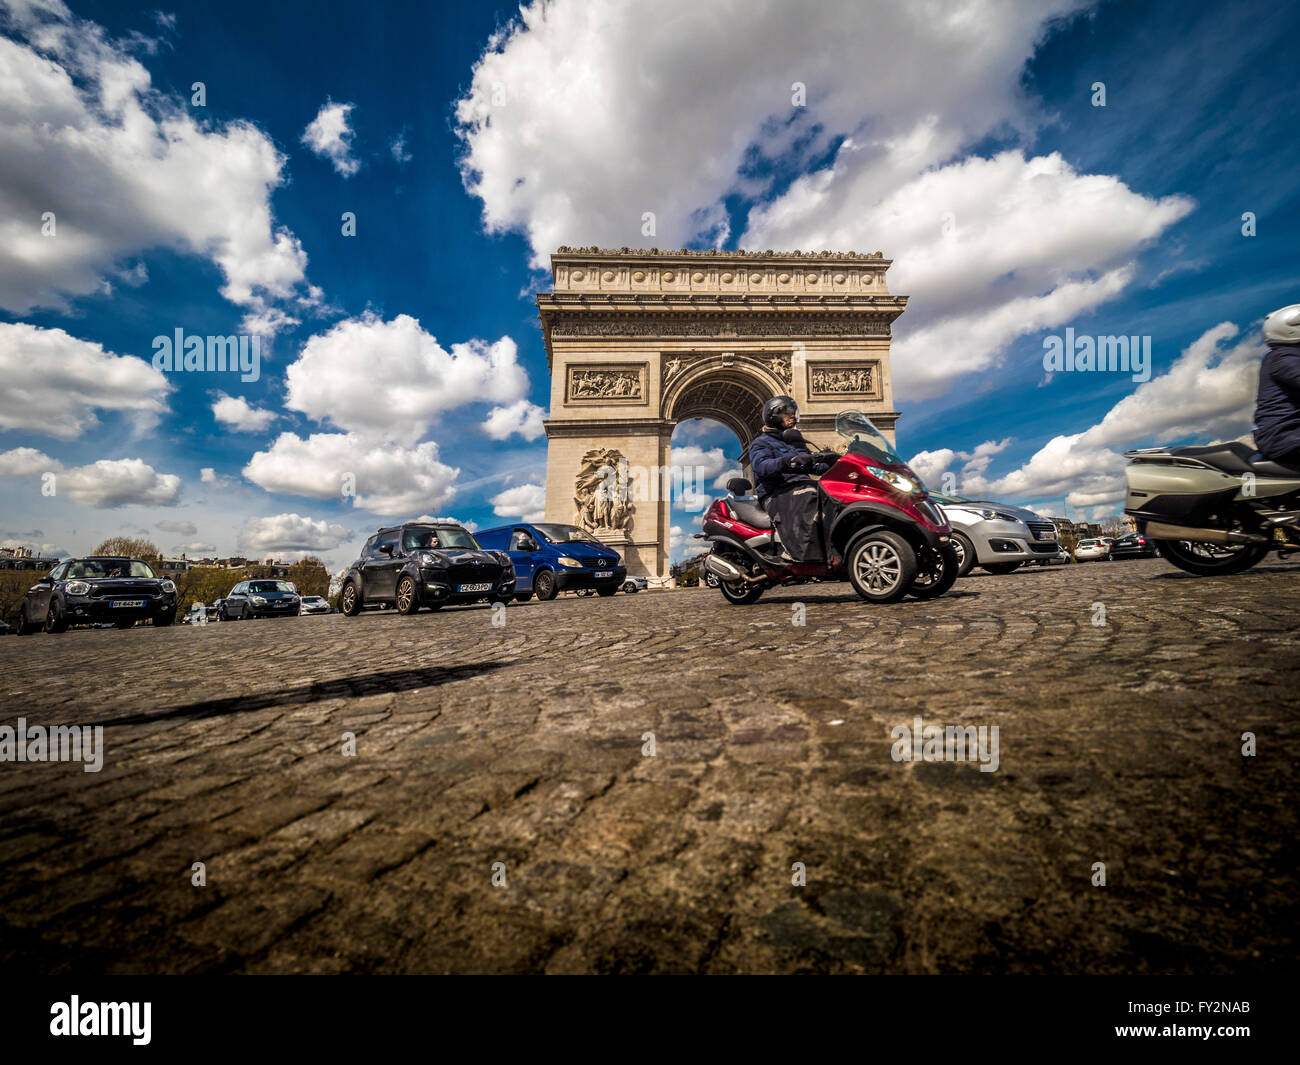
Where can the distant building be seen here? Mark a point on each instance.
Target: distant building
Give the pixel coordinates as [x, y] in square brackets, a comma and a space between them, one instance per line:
[24, 558]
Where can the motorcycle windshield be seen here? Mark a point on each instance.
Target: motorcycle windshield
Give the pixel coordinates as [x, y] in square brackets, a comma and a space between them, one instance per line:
[865, 439]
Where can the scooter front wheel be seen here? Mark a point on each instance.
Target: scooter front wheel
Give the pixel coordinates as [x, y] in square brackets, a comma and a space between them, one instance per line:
[937, 569]
[881, 565]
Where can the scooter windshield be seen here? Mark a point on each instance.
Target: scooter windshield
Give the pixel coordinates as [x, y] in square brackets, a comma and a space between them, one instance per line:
[865, 439]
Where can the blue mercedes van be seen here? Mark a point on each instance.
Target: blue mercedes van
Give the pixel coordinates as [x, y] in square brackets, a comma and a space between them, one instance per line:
[550, 559]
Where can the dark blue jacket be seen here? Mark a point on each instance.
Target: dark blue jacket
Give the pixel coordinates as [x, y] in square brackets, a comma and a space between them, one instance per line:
[767, 457]
[1277, 410]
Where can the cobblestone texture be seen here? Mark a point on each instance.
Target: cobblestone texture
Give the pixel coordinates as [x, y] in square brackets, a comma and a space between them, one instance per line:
[523, 745]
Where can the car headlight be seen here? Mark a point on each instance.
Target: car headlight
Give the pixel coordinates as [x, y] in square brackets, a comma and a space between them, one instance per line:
[894, 480]
[259, 600]
[169, 587]
[77, 588]
[995, 515]
[428, 558]
[570, 562]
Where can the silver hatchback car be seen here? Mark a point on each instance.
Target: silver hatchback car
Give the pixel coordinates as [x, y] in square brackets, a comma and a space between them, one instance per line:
[996, 536]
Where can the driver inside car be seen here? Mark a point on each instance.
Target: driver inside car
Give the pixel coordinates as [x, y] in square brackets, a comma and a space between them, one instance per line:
[784, 486]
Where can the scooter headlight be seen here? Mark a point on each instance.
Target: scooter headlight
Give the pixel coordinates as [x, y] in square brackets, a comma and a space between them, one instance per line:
[894, 480]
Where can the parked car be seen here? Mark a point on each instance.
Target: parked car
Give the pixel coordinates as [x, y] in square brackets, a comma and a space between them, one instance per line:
[1092, 550]
[996, 536]
[1055, 558]
[4, 628]
[260, 599]
[1134, 545]
[550, 558]
[106, 590]
[314, 604]
[425, 564]
[632, 585]
[197, 615]
[214, 609]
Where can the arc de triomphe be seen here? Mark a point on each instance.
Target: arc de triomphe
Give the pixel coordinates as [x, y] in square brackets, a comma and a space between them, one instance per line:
[636, 341]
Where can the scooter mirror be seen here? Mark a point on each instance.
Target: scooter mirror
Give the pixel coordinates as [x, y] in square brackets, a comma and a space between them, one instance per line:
[792, 436]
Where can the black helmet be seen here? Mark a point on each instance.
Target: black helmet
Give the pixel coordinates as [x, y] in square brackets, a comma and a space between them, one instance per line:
[775, 407]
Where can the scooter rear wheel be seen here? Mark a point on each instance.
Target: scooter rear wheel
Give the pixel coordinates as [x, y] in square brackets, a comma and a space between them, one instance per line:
[740, 593]
[881, 565]
[937, 570]
[1209, 560]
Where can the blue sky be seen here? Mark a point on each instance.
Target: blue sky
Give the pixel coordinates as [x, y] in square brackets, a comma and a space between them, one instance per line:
[470, 141]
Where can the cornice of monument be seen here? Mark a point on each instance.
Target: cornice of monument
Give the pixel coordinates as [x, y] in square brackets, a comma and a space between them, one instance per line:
[768, 255]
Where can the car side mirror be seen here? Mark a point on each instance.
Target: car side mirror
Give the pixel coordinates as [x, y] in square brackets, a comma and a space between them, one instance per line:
[386, 549]
[532, 545]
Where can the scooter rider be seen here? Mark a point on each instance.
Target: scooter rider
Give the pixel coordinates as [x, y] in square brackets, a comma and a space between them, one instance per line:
[784, 488]
[1277, 408]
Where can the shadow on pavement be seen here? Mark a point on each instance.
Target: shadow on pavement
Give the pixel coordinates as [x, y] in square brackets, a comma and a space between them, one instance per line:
[353, 686]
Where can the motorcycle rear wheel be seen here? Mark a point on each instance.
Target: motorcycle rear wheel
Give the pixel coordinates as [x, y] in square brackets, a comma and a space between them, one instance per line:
[1209, 560]
[934, 576]
[740, 593]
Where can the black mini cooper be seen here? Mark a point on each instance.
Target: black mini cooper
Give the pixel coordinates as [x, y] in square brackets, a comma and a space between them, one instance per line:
[83, 591]
[425, 564]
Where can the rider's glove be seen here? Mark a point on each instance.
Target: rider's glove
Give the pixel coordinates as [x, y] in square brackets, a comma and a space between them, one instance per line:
[800, 461]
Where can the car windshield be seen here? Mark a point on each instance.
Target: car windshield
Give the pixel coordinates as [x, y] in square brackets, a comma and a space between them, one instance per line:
[948, 501]
[565, 534]
[90, 568]
[435, 538]
[262, 587]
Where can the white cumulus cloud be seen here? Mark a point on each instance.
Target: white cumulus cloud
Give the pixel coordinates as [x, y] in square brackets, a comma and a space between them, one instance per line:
[330, 137]
[291, 533]
[524, 502]
[235, 412]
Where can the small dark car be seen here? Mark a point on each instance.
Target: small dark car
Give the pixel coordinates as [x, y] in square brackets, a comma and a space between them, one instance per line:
[85, 591]
[425, 564]
[1133, 545]
[263, 598]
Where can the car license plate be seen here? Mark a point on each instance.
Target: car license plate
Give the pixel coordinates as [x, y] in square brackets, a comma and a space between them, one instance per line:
[1044, 534]
[474, 588]
[604, 574]
[135, 603]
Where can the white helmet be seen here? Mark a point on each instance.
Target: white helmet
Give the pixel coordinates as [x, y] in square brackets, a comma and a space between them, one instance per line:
[1283, 325]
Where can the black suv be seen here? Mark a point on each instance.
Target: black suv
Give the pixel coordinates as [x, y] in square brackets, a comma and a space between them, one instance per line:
[82, 591]
[425, 564]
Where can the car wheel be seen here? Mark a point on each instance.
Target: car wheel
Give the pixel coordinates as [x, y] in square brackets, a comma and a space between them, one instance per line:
[965, 549]
[630, 588]
[1000, 568]
[55, 620]
[712, 580]
[545, 586]
[408, 602]
[881, 565]
[349, 600]
[25, 627]
[523, 597]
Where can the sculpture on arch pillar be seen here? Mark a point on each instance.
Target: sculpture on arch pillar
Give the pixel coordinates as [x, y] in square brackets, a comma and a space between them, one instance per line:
[601, 491]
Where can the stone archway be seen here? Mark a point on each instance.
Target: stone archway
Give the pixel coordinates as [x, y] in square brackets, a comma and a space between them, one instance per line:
[637, 341]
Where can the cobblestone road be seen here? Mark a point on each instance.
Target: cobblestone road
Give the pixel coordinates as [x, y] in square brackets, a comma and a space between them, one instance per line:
[523, 745]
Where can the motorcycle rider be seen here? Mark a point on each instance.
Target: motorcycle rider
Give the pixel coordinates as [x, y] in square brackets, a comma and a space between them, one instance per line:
[1277, 408]
[784, 488]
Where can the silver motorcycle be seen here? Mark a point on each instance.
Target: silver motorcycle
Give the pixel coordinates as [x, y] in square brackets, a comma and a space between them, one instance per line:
[1215, 509]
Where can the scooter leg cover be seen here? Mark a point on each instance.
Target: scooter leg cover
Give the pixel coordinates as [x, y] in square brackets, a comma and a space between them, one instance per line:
[795, 514]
